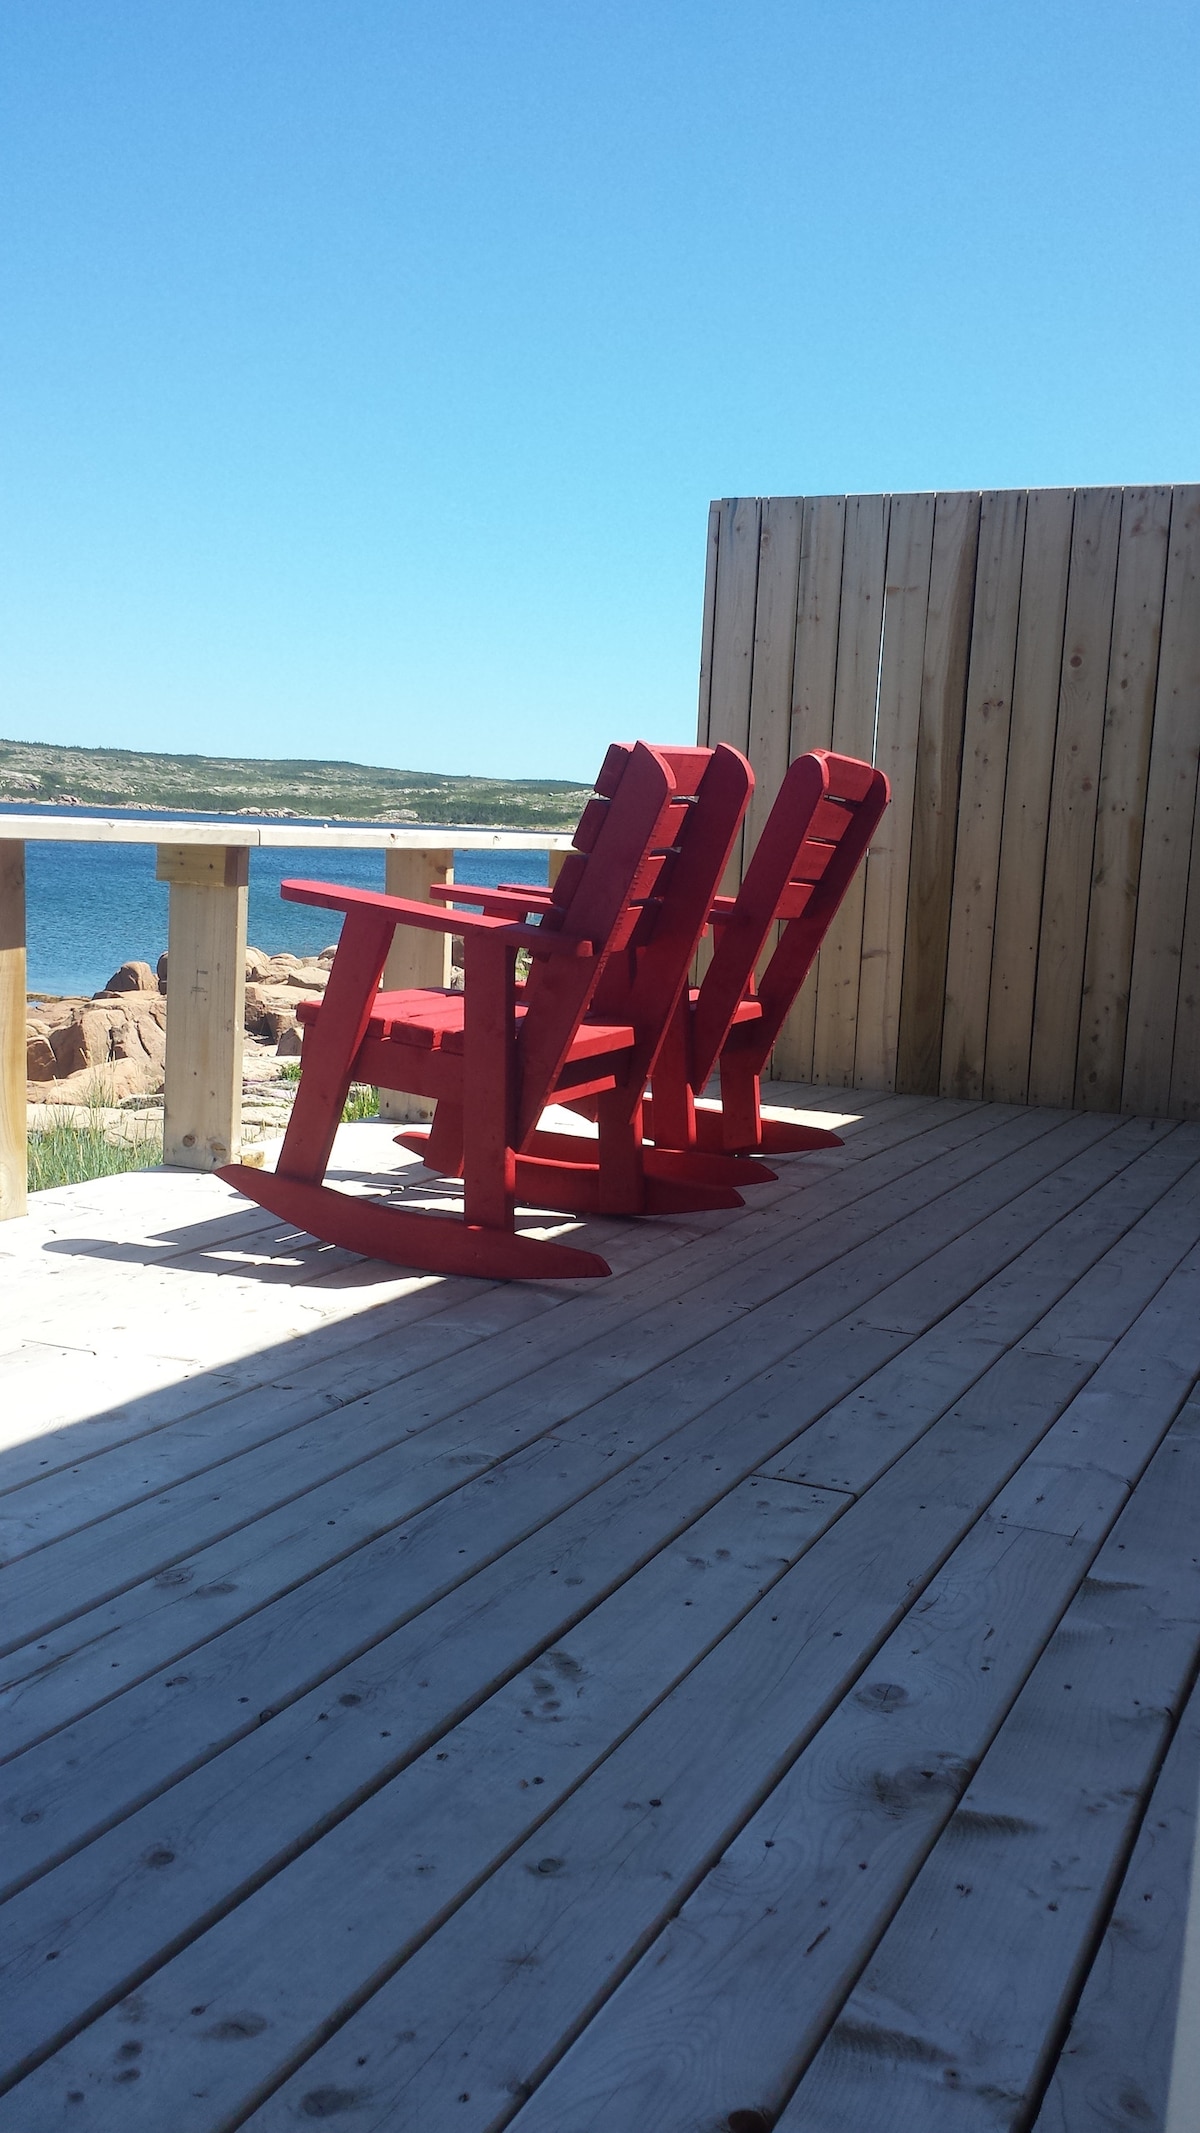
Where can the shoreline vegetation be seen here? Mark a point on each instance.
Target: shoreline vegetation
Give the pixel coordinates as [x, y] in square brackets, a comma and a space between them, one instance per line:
[95, 1064]
[44, 774]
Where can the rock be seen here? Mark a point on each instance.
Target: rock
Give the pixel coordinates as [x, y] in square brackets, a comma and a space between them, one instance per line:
[132, 977]
[327, 954]
[310, 977]
[162, 973]
[141, 1034]
[258, 965]
[108, 1084]
[40, 1062]
[275, 1021]
[128, 1029]
[82, 1042]
[291, 1043]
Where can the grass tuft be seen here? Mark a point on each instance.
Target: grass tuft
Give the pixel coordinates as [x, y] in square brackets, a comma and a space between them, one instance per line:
[362, 1102]
[64, 1154]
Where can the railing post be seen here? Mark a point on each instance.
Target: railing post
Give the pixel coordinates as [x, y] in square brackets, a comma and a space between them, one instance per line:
[415, 958]
[206, 1002]
[13, 1144]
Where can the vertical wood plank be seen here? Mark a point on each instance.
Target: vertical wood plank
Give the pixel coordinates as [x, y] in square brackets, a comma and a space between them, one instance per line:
[990, 675]
[414, 958]
[13, 1156]
[1058, 994]
[935, 806]
[885, 894]
[1121, 805]
[774, 658]
[707, 623]
[1036, 685]
[856, 695]
[1184, 1096]
[1183, 2100]
[814, 672]
[206, 999]
[1159, 1070]
[736, 594]
[732, 666]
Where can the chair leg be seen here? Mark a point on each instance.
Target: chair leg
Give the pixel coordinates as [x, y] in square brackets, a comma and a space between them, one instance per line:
[489, 1085]
[741, 1117]
[622, 1181]
[331, 1045]
[444, 1146]
[674, 1106]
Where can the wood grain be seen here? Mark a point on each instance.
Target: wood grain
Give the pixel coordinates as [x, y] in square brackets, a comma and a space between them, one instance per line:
[953, 1344]
[1036, 686]
[1025, 1873]
[885, 890]
[1150, 1077]
[1073, 791]
[856, 695]
[1114, 2070]
[206, 954]
[774, 657]
[935, 805]
[814, 672]
[990, 676]
[1121, 803]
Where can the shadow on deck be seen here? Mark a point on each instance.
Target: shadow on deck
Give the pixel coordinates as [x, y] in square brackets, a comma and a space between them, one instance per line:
[750, 1691]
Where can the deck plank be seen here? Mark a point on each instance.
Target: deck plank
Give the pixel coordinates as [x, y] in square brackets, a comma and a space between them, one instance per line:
[1022, 1880]
[943, 1357]
[1114, 2072]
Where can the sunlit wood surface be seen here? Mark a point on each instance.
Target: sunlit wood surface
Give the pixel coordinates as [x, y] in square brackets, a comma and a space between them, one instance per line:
[751, 1690]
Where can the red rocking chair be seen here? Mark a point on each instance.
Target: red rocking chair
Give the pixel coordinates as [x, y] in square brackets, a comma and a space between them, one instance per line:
[609, 961]
[815, 839]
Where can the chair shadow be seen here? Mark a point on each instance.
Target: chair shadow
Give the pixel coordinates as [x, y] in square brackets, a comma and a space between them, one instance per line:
[219, 1247]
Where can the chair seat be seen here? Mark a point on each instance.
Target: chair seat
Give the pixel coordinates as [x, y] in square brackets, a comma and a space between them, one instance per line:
[432, 1020]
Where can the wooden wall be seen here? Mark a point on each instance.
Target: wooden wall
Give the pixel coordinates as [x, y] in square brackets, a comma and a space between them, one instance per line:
[1025, 665]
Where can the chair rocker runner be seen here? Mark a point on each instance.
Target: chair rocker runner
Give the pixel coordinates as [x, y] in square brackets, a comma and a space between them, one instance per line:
[494, 1055]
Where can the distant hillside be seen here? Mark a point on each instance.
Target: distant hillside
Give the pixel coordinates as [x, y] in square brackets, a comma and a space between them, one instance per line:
[33, 771]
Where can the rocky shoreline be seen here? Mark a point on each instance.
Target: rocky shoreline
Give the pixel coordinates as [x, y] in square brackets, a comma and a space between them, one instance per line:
[110, 1046]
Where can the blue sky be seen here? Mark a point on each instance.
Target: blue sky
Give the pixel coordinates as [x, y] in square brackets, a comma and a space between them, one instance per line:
[366, 368]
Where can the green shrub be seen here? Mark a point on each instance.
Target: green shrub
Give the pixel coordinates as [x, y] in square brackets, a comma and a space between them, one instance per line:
[361, 1103]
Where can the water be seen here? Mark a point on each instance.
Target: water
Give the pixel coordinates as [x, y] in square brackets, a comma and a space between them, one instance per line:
[92, 907]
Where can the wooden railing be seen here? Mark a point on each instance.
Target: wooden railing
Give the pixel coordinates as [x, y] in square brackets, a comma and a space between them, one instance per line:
[1025, 665]
[206, 865]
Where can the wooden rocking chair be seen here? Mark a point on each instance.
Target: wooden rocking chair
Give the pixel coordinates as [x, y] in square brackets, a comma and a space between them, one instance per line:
[620, 1173]
[495, 1054]
[816, 837]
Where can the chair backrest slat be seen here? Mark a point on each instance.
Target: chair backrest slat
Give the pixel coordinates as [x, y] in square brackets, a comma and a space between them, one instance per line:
[643, 985]
[594, 899]
[816, 834]
[652, 937]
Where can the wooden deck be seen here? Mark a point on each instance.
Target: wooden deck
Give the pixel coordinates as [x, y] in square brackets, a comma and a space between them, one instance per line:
[750, 1691]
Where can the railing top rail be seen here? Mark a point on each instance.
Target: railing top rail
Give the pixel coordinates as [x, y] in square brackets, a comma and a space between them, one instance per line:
[403, 837]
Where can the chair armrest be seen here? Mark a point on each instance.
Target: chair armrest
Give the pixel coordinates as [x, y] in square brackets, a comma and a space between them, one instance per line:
[503, 902]
[406, 911]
